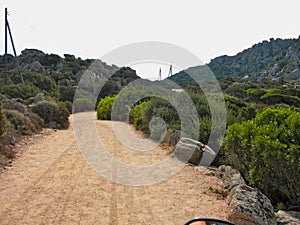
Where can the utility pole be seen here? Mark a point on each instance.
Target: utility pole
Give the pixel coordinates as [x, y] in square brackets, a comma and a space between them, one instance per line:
[8, 30]
[170, 71]
[159, 74]
[5, 54]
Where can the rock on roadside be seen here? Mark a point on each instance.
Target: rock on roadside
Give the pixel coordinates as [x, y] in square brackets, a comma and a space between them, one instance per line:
[248, 206]
[189, 150]
[230, 177]
[288, 218]
[192, 151]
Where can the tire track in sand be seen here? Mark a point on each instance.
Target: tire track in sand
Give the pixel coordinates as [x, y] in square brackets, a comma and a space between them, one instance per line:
[52, 184]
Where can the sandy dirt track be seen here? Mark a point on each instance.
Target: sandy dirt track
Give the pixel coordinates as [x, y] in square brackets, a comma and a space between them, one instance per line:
[52, 184]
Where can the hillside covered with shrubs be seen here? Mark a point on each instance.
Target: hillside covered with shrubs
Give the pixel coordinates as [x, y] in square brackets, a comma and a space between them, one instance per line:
[43, 94]
[261, 141]
[276, 59]
[263, 115]
[260, 88]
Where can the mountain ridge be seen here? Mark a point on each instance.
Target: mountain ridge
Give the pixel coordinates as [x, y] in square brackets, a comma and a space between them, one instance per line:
[276, 59]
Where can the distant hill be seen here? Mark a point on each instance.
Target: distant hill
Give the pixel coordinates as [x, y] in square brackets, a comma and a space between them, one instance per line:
[274, 59]
[58, 77]
[118, 81]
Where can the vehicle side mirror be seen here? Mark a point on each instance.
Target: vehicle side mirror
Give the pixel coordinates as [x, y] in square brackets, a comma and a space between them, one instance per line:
[208, 221]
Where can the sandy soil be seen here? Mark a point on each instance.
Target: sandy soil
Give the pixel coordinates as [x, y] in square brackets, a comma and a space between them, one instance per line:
[50, 183]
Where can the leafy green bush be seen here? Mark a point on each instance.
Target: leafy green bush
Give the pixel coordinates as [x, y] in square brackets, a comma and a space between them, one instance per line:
[83, 105]
[274, 98]
[69, 106]
[62, 115]
[46, 110]
[19, 122]
[137, 114]
[104, 108]
[3, 121]
[267, 152]
[23, 91]
[52, 112]
[37, 121]
[66, 93]
[238, 110]
[160, 108]
[42, 81]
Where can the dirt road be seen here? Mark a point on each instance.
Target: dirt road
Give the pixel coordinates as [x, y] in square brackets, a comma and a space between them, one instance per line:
[52, 184]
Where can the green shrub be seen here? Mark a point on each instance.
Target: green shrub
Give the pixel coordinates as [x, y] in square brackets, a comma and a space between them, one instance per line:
[274, 98]
[3, 121]
[46, 110]
[62, 115]
[267, 152]
[40, 80]
[66, 93]
[37, 121]
[52, 112]
[238, 110]
[104, 108]
[160, 108]
[83, 105]
[137, 114]
[23, 91]
[18, 121]
[69, 106]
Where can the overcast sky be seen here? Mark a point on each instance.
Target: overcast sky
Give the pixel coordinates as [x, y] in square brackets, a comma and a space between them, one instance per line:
[91, 28]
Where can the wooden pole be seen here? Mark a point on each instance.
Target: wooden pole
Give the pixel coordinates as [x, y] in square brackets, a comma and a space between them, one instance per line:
[5, 54]
[15, 53]
[8, 31]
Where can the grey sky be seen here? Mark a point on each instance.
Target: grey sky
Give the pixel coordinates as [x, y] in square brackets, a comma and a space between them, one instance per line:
[91, 28]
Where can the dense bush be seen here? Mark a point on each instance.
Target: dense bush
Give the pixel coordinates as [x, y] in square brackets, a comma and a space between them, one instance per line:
[46, 110]
[137, 115]
[52, 112]
[83, 105]
[19, 122]
[237, 110]
[273, 98]
[37, 121]
[62, 115]
[161, 108]
[66, 93]
[69, 106]
[23, 91]
[42, 81]
[104, 108]
[3, 121]
[267, 151]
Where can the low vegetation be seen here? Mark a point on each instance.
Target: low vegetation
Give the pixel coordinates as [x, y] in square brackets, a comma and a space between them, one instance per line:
[55, 115]
[3, 121]
[266, 150]
[104, 108]
[262, 138]
[260, 92]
